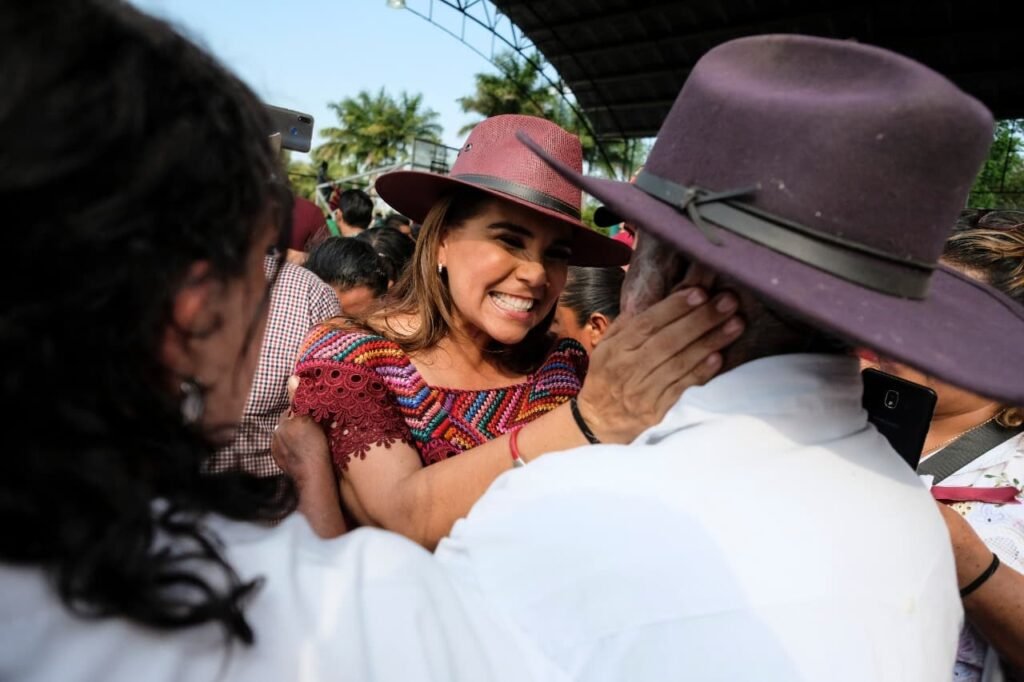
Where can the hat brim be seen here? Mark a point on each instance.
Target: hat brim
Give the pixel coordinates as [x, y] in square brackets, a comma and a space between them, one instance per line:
[413, 193]
[964, 332]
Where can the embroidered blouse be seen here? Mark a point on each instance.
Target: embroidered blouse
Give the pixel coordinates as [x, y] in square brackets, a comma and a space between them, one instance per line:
[365, 390]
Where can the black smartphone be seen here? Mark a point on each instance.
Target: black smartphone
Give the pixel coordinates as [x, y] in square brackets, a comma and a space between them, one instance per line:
[296, 128]
[901, 411]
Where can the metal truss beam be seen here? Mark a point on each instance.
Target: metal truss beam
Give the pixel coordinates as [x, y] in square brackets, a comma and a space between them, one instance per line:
[504, 34]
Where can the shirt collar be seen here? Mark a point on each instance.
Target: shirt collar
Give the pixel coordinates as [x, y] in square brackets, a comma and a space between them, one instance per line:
[807, 386]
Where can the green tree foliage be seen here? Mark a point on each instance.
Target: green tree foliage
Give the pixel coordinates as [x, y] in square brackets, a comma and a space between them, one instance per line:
[302, 175]
[375, 130]
[1000, 184]
[519, 87]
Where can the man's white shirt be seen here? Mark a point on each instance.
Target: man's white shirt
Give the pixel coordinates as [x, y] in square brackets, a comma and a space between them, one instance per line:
[762, 531]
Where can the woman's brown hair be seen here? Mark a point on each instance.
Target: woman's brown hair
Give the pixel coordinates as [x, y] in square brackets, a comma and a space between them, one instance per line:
[422, 292]
[996, 256]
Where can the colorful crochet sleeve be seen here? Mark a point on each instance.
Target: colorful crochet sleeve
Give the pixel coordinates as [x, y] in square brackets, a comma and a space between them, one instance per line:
[569, 362]
[345, 396]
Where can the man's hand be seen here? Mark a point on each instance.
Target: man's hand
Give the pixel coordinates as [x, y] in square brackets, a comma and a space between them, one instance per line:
[645, 361]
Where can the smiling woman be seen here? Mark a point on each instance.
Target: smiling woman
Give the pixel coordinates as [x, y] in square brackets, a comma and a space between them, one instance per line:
[459, 360]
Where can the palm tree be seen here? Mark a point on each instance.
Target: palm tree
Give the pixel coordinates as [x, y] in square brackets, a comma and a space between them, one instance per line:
[520, 88]
[304, 176]
[376, 130]
[515, 90]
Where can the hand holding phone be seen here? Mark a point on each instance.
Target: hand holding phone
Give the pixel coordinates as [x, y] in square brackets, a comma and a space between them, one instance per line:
[901, 411]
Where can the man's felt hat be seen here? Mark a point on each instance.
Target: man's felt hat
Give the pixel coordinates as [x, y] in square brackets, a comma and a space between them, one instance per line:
[826, 176]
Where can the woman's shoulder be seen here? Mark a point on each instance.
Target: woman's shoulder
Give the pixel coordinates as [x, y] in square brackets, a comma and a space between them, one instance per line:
[349, 344]
[567, 349]
[567, 356]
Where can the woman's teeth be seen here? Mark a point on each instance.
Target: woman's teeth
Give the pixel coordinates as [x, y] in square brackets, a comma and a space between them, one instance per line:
[513, 303]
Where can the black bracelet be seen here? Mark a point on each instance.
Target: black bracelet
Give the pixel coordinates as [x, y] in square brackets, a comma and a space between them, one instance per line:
[578, 418]
[980, 580]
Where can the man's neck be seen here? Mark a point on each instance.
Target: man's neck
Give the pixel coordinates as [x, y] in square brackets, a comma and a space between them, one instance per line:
[349, 230]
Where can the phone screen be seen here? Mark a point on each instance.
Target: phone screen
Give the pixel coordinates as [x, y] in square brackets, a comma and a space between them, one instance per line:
[901, 411]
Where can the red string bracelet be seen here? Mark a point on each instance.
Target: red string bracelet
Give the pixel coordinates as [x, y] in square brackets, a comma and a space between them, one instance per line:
[513, 446]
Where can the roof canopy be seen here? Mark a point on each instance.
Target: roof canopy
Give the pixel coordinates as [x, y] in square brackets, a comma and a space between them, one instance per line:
[625, 60]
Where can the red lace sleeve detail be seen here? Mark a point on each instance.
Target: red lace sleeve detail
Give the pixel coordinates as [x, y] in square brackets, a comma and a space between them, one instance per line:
[354, 407]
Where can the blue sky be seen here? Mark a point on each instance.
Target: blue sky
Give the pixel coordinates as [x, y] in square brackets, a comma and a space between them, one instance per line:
[301, 54]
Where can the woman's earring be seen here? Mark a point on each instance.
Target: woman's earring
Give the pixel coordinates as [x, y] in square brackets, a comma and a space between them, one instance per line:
[440, 270]
[192, 402]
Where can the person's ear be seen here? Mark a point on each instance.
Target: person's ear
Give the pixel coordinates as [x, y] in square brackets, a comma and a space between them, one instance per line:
[698, 275]
[442, 248]
[191, 318]
[597, 325]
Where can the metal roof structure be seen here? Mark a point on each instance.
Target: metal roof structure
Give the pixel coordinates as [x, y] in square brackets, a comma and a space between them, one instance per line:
[625, 60]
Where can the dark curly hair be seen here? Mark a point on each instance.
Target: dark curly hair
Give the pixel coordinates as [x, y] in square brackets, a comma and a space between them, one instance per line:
[989, 244]
[127, 155]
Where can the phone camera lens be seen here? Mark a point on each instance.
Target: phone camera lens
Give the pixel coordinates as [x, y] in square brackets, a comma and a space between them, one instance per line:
[305, 119]
[892, 399]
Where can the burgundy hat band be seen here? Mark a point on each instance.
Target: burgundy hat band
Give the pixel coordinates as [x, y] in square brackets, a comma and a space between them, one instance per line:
[848, 260]
[521, 192]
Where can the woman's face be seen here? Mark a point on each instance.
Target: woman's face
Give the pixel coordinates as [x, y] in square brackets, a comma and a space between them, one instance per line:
[223, 323]
[355, 300]
[951, 400]
[506, 268]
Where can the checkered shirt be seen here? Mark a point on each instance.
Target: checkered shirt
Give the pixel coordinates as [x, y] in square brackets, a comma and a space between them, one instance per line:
[299, 300]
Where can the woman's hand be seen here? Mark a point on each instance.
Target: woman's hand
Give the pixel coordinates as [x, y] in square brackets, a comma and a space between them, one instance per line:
[298, 445]
[645, 361]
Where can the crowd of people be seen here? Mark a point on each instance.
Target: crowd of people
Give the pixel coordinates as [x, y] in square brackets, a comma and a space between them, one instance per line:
[477, 439]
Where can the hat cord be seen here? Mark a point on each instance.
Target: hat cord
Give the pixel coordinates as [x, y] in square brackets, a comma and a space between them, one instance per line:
[849, 260]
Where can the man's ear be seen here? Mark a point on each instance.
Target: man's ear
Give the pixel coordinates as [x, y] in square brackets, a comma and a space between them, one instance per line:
[597, 325]
[699, 275]
[190, 318]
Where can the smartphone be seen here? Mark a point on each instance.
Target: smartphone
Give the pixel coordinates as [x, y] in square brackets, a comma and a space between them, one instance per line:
[901, 411]
[295, 127]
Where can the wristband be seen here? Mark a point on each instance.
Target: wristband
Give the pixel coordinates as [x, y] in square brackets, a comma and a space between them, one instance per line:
[581, 423]
[513, 447]
[980, 580]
